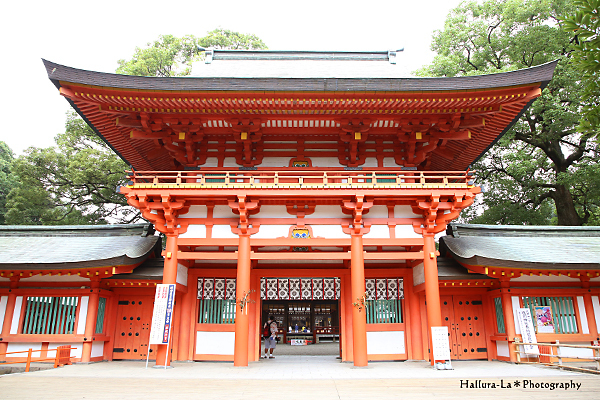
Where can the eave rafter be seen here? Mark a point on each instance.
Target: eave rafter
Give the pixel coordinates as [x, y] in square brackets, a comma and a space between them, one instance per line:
[172, 130]
[513, 273]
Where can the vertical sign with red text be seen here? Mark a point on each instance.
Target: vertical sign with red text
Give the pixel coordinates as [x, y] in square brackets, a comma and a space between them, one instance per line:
[162, 314]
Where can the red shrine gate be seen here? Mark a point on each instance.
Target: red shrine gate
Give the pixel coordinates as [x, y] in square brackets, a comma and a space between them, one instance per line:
[299, 177]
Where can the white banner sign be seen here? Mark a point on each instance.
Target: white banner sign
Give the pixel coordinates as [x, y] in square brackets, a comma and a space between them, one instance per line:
[527, 331]
[162, 314]
[440, 343]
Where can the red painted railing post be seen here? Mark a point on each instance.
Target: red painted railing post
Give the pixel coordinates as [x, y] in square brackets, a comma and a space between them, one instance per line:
[28, 360]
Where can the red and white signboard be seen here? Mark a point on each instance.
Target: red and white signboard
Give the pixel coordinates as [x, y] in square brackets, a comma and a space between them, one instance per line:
[162, 316]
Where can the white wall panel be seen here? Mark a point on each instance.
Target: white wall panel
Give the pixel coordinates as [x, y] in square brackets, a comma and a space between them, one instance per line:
[389, 162]
[3, 303]
[76, 349]
[229, 162]
[83, 311]
[325, 162]
[274, 212]
[97, 349]
[387, 342]
[23, 347]
[197, 211]
[272, 231]
[377, 212]
[275, 162]
[195, 232]
[182, 275]
[14, 325]
[223, 211]
[405, 212]
[418, 274]
[222, 343]
[370, 162]
[329, 231]
[516, 305]
[502, 348]
[211, 162]
[378, 232]
[328, 212]
[596, 305]
[583, 315]
[223, 232]
[406, 231]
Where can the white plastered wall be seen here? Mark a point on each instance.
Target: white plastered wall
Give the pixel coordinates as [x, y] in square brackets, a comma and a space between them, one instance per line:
[377, 212]
[97, 349]
[196, 211]
[405, 212]
[583, 315]
[329, 231]
[274, 212]
[229, 162]
[328, 212]
[272, 231]
[502, 348]
[378, 232]
[223, 232]
[219, 343]
[75, 349]
[195, 232]
[3, 303]
[596, 305]
[83, 310]
[406, 231]
[223, 211]
[12, 347]
[325, 162]
[418, 274]
[211, 162]
[385, 342]
[182, 275]
[14, 325]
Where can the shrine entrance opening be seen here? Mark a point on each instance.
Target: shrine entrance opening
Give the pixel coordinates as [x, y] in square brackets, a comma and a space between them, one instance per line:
[307, 311]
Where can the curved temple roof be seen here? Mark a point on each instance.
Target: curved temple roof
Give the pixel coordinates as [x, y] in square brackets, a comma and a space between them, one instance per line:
[484, 106]
[524, 247]
[74, 247]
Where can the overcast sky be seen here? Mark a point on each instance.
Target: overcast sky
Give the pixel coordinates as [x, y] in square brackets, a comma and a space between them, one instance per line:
[94, 35]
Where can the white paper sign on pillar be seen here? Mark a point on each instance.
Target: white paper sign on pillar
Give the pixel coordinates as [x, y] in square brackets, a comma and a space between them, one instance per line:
[527, 331]
[440, 343]
[162, 314]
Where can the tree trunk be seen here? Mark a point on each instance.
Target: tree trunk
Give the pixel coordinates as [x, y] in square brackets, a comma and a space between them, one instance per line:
[565, 208]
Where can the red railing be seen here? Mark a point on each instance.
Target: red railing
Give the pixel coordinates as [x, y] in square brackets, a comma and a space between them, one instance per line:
[63, 357]
[301, 179]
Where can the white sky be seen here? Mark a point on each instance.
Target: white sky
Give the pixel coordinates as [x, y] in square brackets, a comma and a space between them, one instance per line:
[93, 35]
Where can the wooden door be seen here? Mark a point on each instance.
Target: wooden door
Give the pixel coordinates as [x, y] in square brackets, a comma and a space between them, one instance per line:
[447, 306]
[134, 316]
[463, 315]
[470, 329]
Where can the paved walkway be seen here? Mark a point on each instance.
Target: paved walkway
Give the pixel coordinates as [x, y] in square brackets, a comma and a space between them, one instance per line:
[300, 377]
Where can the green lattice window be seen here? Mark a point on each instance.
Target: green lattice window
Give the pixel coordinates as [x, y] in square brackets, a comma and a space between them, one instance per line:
[100, 317]
[386, 180]
[221, 178]
[563, 312]
[217, 311]
[47, 315]
[499, 315]
[384, 311]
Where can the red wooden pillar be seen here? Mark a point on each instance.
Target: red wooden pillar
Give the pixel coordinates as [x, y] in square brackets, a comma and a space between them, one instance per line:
[509, 319]
[416, 337]
[240, 355]
[186, 320]
[90, 321]
[432, 288]
[359, 315]
[169, 277]
[8, 316]
[589, 308]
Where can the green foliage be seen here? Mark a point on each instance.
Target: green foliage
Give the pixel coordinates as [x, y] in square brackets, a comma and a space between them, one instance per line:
[173, 56]
[8, 181]
[542, 171]
[73, 183]
[584, 24]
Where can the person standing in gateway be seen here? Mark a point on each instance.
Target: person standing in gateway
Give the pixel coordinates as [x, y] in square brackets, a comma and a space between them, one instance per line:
[270, 334]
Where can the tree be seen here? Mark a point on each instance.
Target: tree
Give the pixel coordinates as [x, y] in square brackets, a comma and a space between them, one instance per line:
[173, 56]
[585, 25]
[73, 183]
[8, 181]
[543, 170]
